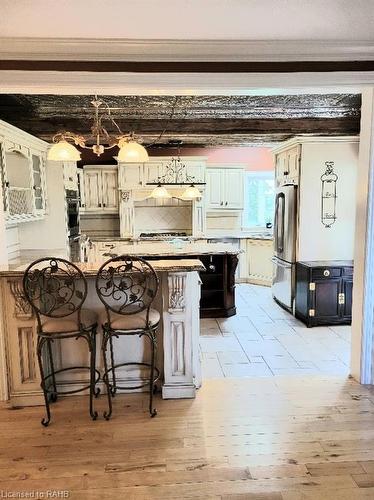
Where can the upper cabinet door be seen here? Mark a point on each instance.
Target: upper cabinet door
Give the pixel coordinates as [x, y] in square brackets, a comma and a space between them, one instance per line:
[19, 184]
[233, 188]
[281, 167]
[93, 190]
[196, 170]
[131, 175]
[3, 181]
[215, 188]
[38, 181]
[70, 175]
[293, 162]
[154, 170]
[110, 190]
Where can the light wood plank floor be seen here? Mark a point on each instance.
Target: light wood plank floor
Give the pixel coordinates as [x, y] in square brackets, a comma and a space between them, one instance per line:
[275, 438]
[263, 340]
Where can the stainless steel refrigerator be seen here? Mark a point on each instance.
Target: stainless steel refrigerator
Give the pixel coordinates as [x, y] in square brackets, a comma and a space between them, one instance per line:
[284, 259]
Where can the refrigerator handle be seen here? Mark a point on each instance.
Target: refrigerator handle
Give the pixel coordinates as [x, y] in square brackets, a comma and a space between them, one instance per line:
[279, 222]
[275, 225]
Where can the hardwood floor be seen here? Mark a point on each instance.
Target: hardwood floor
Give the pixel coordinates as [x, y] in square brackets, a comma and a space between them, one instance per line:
[263, 340]
[276, 438]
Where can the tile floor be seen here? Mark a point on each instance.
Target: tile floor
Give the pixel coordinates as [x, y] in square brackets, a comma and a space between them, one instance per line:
[263, 340]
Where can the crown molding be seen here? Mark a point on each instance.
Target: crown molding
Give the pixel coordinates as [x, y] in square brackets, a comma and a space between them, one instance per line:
[81, 83]
[96, 49]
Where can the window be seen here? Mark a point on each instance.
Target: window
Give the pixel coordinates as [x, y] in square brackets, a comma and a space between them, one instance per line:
[259, 199]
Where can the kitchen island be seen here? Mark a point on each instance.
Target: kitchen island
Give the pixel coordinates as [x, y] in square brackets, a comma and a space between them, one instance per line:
[177, 337]
[220, 261]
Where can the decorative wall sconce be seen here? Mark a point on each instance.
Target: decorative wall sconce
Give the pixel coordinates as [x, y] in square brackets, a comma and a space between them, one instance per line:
[328, 195]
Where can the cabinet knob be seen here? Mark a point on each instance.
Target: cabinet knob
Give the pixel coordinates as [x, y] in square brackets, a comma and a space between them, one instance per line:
[103, 204]
[99, 204]
[326, 273]
[226, 203]
[221, 202]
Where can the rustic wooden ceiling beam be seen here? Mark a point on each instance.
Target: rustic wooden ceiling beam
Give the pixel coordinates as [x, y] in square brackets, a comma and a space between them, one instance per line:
[45, 129]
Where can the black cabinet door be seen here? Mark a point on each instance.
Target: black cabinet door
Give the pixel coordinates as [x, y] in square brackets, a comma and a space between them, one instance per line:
[325, 300]
[347, 306]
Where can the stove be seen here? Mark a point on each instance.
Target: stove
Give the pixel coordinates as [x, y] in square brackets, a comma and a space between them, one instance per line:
[161, 236]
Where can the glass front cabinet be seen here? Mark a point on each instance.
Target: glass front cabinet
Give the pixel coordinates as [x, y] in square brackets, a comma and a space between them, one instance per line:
[22, 180]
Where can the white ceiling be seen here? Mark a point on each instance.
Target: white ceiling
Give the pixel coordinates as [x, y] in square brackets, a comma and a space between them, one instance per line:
[190, 19]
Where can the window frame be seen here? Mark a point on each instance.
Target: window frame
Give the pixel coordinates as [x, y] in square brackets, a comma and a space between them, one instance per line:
[266, 175]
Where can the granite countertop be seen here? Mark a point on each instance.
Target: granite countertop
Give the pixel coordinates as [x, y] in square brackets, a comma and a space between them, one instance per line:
[90, 268]
[208, 236]
[168, 249]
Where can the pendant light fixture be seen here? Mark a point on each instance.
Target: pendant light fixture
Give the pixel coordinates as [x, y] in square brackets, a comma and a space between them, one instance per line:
[176, 175]
[191, 193]
[132, 151]
[129, 148]
[63, 151]
[160, 192]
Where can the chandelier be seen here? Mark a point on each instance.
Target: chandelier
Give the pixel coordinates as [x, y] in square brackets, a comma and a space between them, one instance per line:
[130, 150]
[176, 175]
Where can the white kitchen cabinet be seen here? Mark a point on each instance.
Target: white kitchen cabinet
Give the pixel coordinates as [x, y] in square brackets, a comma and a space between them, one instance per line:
[153, 170]
[215, 188]
[233, 188]
[225, 188]
[130, 175]
[138, 175]
[38, 183]
[70, 175]
[110, 190]
[255, 264]
[92, 190]
[287, 166]
[100, 189]
[22, 175]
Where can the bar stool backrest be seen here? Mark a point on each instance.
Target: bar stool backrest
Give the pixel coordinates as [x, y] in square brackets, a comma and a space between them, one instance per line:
[55, 288]
[126, 285]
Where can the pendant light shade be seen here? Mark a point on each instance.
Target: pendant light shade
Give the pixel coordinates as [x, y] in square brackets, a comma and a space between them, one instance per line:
[63, 151]
[160, 192]
[191, 193]
[132, 152]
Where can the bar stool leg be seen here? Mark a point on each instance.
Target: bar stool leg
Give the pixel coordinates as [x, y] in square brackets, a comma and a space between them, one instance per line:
[114, 384]
[106, 336]
[152, 338]
[92, 345]
[41, 342]
[53, 395]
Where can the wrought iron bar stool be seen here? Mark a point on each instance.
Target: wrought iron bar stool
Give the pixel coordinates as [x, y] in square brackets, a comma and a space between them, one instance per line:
[127, 286]
[56, 290]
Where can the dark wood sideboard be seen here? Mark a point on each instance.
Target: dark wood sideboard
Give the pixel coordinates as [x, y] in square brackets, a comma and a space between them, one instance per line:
[324, 292]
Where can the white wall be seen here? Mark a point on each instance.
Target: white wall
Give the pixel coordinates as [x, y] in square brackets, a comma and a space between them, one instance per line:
[51, 232]
[3, 240]
[190, 19]
[316, 242]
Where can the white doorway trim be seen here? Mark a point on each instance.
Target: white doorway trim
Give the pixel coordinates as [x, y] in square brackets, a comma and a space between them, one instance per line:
[363, 299]
[30, 82]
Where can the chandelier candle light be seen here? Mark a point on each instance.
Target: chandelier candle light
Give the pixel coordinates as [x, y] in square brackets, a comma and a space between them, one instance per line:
[129, 148]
